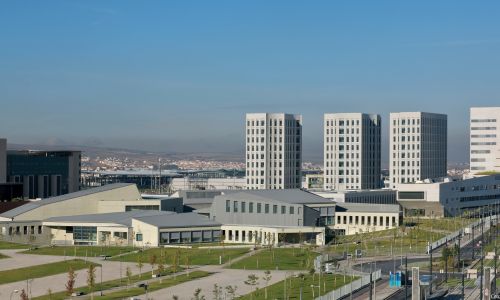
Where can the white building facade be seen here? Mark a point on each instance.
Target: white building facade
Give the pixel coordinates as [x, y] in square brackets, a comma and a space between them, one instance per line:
[418, 146]
[484, 139]
[352, 151]
[273, 151]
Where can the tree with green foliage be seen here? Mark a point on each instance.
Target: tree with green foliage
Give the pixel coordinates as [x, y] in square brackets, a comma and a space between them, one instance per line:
[49, 294]
[140, 265]
[267, 277]
[186, 263]
[253, 281]
[446, 254]
[152, 262]
[70, 284]
[91, 280]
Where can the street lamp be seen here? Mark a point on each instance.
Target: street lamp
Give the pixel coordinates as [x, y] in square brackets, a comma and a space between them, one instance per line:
[13, 292]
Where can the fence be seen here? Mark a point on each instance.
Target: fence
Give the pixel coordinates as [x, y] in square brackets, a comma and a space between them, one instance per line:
[351, 287]
[454, 235]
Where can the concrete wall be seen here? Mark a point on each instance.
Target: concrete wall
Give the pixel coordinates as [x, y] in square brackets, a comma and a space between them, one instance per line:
[150, 236]
[219, 213]
[363, 226]
[88, 204]
[25, 233]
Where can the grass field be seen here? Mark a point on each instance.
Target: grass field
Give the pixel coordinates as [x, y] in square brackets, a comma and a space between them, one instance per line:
[293, 284]
[80, 251]
[3, 256]
[7, 245]
[278, 259]
[106, 285]
[195, 256]
[38, 271]
[412, 237]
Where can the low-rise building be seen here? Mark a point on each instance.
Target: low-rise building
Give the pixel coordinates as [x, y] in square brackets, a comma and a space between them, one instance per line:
[352, 218]
[382, 196]
[445, 197]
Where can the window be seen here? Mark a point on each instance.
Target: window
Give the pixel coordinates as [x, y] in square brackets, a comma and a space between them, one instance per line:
[292, 210]
[138, 237]
[266, 208]
[275, 209]
[283, 209]
[228, 206]
[250, 207]
[235, 206]
[243, 206]
[259, 208]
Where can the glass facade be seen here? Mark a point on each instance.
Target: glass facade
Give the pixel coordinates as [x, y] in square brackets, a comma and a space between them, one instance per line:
[84, 235]
[184, 237]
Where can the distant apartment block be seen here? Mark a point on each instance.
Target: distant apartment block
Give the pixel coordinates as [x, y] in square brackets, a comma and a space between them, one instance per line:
[418, 145]
[484, 139]
[273, 150]
[44, 173]
[352, 151]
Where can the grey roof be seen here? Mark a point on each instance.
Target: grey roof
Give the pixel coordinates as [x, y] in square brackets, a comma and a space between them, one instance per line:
[291, 196]
[190, 197]
[123, 218]
[364, 207]
[179, 220]
[34, 204]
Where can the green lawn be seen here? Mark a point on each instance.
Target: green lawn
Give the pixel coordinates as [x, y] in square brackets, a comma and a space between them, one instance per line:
[154, 286]
[278, 258]
[195, 256]
[106, 285]
[293, 284]
[3, 256]
[80, 251]
[8, 245]
[38, 271]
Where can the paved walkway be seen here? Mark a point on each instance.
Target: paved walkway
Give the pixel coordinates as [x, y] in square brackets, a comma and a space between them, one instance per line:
[40, 286]
[221, 277]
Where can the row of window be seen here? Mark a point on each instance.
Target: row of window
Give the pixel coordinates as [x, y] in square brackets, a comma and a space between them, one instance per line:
[483, 120]
[370, 220]
[483, 128]
[242, 207]
[26, 230]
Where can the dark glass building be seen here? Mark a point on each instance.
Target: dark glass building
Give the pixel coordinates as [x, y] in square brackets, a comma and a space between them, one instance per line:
[44, 173]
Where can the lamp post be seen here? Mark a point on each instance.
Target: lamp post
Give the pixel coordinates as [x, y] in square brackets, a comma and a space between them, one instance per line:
[13, 292]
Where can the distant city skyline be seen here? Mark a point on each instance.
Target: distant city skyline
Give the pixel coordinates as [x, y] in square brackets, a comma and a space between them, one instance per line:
[178, 77]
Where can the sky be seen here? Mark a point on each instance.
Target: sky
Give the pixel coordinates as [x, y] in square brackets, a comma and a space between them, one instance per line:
[179, 76]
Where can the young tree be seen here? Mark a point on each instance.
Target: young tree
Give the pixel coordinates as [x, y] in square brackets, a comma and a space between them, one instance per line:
[49, 294]
[128, 273]
[140, 265]
[253, 281]
[197, 295]
[267, 277]
[217, 292]
[152, 262]
[231, 291]
[23, 295]
[70, 284]
[91, 280]
[160, 270]
[186, 263]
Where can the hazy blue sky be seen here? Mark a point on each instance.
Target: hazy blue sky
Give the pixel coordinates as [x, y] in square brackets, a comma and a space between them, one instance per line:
[179, 76]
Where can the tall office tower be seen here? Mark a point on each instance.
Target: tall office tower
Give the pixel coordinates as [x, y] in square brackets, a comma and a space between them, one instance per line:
[484, 139]
[418, 142]
[273, 151]
[3, 160]
[351, 151]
